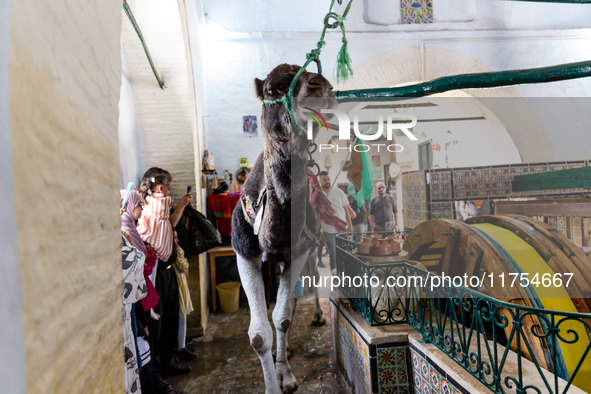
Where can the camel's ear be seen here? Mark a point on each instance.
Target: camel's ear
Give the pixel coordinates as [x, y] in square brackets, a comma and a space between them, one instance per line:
[258, 88]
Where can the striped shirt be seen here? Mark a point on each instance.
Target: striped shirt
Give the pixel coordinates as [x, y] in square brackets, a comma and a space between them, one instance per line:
[154, 226]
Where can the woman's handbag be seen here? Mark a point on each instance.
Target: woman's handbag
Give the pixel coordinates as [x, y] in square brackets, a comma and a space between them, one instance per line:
[204, 235]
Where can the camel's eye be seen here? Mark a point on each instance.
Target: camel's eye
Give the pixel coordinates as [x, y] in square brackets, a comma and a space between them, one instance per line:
[272, 92]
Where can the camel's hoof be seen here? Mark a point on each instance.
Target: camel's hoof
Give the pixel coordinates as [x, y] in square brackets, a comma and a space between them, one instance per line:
[318, 321]
[285, 378]
[290, 388]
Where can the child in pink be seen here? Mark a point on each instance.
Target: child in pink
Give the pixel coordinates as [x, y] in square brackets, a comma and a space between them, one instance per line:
[154, 226]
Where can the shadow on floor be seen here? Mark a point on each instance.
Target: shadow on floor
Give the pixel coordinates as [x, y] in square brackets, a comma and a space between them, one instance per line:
[227, 364]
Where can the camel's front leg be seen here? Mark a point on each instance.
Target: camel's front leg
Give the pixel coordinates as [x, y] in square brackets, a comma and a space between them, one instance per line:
[260, 331]
[282, 318]
[318, 320]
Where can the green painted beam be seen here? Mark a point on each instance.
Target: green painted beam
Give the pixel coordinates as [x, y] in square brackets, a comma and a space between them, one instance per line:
[560, 72]
[572, 178]
[136, 27]
[556, 1]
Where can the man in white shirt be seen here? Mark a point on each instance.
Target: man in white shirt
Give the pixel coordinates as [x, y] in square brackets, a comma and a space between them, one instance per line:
[341, 208]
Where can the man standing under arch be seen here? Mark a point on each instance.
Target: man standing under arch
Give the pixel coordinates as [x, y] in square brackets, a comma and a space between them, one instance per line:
[383, 213]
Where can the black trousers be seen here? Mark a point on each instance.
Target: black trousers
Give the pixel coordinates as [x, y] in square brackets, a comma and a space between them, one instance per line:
[146, 379]
[164, 332]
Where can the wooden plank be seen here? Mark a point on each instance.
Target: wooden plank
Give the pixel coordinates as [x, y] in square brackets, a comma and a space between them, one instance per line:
[473, 256]
[552, 208]
[586, 232]
[453, 239]
[571, 178]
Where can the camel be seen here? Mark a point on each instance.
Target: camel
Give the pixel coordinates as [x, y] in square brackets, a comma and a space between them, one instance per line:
[276, 187]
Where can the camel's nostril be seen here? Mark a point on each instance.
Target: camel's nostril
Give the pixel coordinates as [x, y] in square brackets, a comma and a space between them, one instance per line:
[314, 85]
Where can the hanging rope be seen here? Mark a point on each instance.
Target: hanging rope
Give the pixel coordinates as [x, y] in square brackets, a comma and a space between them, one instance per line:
[343, 67]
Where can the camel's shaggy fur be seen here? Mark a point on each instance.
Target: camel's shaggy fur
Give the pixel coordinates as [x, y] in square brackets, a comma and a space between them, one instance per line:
[279, 169]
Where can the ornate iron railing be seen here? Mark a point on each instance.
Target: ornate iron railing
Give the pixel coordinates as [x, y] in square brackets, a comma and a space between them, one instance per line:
[487, 337]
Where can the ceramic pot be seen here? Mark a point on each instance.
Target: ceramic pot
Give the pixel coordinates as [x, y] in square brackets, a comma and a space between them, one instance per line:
[384, 248]
[376, 239]
[365, 246]
[396, 247]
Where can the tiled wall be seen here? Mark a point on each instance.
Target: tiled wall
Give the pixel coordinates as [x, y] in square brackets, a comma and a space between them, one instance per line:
[576, 227]
[383, 368]
[430, 378]
[434, 199]
[494, 182]
[414, 198]
[351, 352]
[393, 372]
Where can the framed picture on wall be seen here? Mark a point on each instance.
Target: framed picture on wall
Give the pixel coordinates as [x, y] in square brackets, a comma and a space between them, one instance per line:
[376, 161]
[249, 126]
[346, 165]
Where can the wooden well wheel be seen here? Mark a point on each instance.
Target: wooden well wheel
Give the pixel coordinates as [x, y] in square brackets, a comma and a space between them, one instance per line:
[467, 251]
[558, 252]
[456, 248]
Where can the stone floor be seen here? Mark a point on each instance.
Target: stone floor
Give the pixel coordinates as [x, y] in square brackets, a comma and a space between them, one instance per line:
[227, 364]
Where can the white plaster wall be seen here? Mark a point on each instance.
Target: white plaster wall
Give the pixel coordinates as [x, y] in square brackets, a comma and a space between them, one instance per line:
[195, 24]
[307, 15]
[567, 122]
[166, 118]
[131, 157]
[12, 346]
[65, 77]
[244, 40]
[232, 63]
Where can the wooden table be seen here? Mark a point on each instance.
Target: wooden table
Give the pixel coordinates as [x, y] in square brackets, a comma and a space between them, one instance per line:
[218, 251]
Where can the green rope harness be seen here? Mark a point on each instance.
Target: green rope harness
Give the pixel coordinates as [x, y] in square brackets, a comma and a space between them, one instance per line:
[343, 67]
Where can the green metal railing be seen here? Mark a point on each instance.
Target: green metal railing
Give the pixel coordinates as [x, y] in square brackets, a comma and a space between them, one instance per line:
[481, 334]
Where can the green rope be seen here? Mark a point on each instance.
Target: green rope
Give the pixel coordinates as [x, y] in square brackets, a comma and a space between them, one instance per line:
[343, 67]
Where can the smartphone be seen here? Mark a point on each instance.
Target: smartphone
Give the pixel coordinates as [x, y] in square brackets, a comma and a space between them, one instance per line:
[127, 193]
[189, 188]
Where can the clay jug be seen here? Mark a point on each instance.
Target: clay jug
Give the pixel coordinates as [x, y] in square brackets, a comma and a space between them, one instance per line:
[383, 248]
[376, 239]
[364, 246]
[395, 245]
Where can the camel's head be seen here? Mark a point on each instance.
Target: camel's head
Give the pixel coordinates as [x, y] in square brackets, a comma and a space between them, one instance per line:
[312, 90]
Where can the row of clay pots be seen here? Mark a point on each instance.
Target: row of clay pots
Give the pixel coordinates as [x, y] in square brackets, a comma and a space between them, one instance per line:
[378, 245]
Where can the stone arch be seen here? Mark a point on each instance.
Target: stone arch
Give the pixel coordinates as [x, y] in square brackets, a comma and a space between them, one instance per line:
[412, 65]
